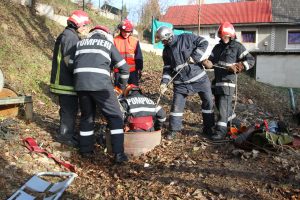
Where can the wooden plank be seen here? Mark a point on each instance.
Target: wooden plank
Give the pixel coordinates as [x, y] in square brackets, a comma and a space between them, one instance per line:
[15, 100]
[28, 111]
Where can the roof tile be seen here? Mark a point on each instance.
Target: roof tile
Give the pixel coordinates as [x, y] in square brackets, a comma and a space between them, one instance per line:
[241, 12]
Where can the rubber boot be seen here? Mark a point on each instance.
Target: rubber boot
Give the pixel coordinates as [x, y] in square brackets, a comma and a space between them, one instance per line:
[120, 158]
[171, 135]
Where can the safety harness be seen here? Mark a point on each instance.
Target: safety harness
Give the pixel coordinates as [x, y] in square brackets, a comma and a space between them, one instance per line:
[33, 147]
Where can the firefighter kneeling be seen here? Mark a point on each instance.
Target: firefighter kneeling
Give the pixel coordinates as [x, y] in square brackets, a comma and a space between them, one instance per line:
[141, 113]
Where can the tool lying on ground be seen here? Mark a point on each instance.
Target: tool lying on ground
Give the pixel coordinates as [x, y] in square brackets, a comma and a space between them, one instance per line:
[32, 145]
[38, 187]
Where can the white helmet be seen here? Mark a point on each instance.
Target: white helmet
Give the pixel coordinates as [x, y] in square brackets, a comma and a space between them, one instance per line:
[164, 34]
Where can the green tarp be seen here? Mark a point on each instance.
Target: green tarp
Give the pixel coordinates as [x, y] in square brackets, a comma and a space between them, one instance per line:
[156, 24]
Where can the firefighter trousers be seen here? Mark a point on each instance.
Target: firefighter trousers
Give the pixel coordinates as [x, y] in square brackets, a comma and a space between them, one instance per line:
[68, 113]
[177, 109]
[224, 106]
[108, 104]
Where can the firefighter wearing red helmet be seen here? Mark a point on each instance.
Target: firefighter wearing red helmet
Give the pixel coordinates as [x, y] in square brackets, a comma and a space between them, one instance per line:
[141, 113]
[130, 49]
[61, 82]
[94, 59]
[228, 58]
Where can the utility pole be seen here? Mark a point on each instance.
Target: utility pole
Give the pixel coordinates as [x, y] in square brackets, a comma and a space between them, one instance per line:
[199, 10]
[99, 5]
[122, 11]
[83, 5]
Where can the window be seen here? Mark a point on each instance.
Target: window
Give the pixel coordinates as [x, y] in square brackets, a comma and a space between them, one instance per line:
[248, 36]
[212, 35]
[294, 37]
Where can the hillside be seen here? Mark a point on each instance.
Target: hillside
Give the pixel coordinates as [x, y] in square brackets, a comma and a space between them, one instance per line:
[188, 168]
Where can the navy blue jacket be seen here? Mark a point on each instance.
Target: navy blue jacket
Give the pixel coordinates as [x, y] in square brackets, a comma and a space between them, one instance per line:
[94, 59]
[61, 81]
[224, 55]
[177, 56]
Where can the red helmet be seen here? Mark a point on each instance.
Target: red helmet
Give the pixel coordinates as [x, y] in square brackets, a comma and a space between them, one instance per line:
[126, 25]
[129, 88]
[226, 29]
[79, 18]
[100, 27]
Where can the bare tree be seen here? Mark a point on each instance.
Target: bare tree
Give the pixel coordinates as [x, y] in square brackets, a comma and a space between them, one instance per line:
[151, 8]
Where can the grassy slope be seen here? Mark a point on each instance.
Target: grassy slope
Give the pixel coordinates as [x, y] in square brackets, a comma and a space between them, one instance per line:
[26, 43]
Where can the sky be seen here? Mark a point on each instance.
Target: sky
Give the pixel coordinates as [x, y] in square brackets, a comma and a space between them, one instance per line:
[133, 6]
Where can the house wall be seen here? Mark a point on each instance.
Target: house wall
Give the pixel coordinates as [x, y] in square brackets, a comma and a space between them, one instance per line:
[268, 38]
[281, 38]
[278, 70]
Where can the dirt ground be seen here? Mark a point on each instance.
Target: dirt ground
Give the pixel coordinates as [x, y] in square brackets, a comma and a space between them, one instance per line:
[190, 167]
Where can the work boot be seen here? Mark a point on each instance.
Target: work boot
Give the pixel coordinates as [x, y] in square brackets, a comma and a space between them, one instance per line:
[120, 158]
[218, 136]
[206, 133]
[101, 140]
[171, 135]
[69, 140]
[87, 155]
[234, 122]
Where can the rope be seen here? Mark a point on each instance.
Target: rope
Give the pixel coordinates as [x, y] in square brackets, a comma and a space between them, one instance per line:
[160, 93]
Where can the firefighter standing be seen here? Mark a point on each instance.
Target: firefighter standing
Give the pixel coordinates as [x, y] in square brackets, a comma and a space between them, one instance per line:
[94, 59]
[129, 47]
[142, 115]
[228, 58]
[181, 56]
[61, 82]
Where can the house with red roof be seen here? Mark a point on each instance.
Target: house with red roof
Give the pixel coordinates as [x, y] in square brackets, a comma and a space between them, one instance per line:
[261, 25]
[270, 29]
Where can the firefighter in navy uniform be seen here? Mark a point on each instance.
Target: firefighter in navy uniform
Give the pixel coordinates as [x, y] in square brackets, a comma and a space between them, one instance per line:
[141, 113]
[181, 56]
[228, 58]
[61, 82]
[130, 49]
[95, 57]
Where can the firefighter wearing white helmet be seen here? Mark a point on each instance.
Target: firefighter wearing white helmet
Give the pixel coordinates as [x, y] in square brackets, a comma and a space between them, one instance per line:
[182, 56]
[61, 82]
[228, 58]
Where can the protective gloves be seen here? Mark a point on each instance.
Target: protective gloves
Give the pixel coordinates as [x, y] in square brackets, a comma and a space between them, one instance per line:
[239, 67]
[163, 88]
[232, 69]
[236, 68]
[207, 64]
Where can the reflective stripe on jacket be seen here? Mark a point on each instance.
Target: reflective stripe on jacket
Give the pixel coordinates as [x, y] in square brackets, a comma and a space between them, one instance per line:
[127, 48]
[94, 59]
[137, 105]
[176, 58]
[61, 81]
[224, 55]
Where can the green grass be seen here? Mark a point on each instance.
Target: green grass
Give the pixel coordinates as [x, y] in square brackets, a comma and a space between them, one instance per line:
[152, 62]
[26, 46]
